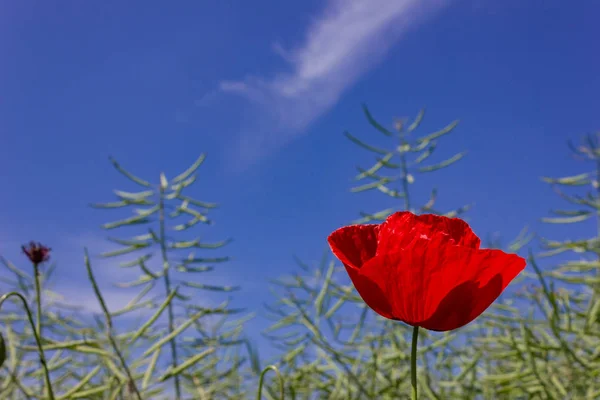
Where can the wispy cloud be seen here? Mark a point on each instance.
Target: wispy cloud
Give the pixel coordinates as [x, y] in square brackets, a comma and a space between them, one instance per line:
[349, 38]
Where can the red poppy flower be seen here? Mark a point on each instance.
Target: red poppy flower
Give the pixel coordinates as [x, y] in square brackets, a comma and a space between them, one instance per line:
[425, 270]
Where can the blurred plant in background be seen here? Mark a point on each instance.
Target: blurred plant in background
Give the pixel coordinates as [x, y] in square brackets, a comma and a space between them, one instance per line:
[176, 275]
[553, 350]
[89, 359]
[410, 153]
[63, 328]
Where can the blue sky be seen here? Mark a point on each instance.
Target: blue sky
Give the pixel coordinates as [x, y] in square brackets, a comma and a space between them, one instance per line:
[266, 89]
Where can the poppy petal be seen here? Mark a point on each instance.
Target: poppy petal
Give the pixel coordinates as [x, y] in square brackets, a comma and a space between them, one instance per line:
[437, 285]
[456, 228]
[373, 288]
[395, 233]
[355, 244]
[470, 298]
[402, 228]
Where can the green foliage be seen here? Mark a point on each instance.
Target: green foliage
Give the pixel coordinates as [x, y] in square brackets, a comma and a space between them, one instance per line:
[553, 351]
[158, 216]
[22, 375]
[38, 341]
[541, 343]
[88, 359]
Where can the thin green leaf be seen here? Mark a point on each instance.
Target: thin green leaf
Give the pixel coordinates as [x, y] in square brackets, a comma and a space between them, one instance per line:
[374, 168]
[369, 186]
[186, 364]
[129, 175]
[154, 317]
[568, 220]
[128, 196]
[184, 175]
[374, 123]
[141, 218]
[364, 145]
[417, 121]
[150, 370]
[447, 129]
[197, 202]
[210, 287]
[575, 180]
[443, 164]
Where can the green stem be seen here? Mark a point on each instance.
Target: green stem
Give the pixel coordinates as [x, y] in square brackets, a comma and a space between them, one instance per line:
[37, 340]
[109, 326]
[262, 378]
[404, 169]
[38, 302]
[413, 362]
[596, 289]
[167, 280]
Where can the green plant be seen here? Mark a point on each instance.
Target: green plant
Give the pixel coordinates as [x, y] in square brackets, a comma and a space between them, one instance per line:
[90, 359]
[23, 374]
[407, 157]
[157, 214]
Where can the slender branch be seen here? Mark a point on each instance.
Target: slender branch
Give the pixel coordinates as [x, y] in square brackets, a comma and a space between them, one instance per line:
[109, 326]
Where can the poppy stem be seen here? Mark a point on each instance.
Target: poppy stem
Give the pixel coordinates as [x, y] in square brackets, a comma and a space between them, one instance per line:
[413, 362]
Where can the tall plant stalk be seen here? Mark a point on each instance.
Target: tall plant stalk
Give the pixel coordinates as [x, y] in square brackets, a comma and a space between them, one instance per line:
[109, 328]
[167, 280]
[157, 199]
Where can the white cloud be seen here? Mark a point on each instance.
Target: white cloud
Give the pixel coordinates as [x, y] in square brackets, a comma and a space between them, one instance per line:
[349, 38]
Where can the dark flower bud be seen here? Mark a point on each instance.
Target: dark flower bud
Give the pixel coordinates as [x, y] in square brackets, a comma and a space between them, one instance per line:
[36, 252]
